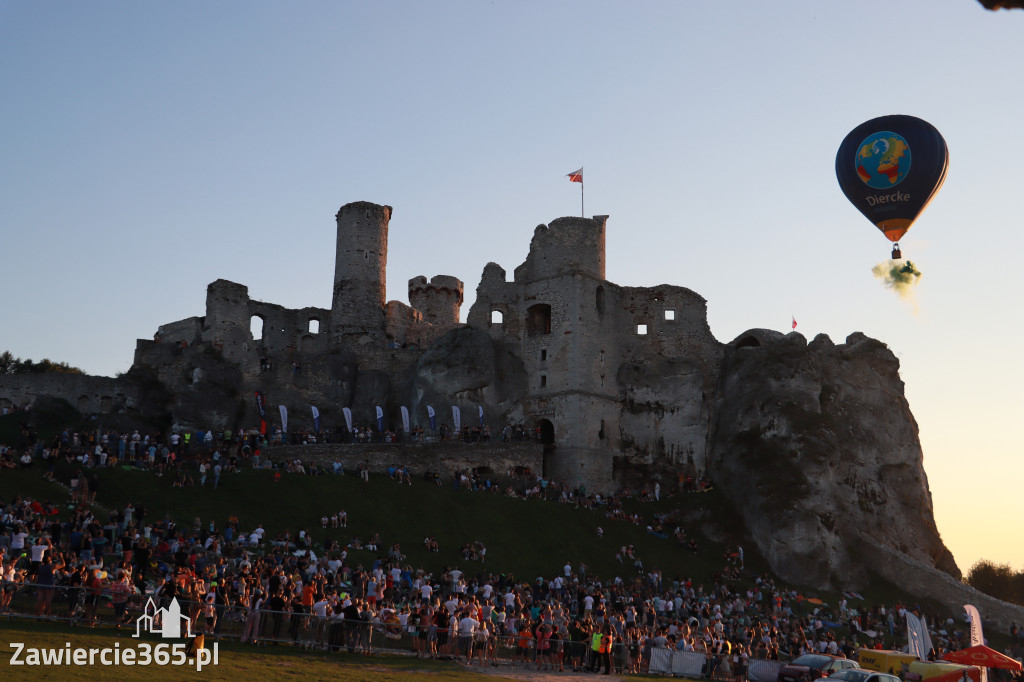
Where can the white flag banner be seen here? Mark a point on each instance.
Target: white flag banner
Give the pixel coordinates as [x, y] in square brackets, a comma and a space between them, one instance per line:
[977, 636]
[405, 418]
[316, 418]
[974, 618]
[457, 417]
[284, 418]
[915, 637]
[348, 418]
[926, 638]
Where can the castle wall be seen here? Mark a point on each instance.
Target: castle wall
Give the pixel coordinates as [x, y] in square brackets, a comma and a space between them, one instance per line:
[404, 324]
[676, 322]
[187, 331]
[565, 246]
[493, 293]
[360, 290]
[228, 319]
[443, 458]
[87, 394]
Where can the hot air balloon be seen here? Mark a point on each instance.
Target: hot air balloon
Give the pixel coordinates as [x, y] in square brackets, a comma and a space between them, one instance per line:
[890, 168]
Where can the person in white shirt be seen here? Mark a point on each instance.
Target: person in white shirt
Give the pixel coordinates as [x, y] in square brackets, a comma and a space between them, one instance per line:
[467, 630]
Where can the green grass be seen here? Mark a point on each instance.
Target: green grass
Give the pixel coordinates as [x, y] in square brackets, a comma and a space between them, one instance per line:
[527, 538]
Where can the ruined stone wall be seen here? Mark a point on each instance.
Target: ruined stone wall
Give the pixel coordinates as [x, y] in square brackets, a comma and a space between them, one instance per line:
[675, 324]
[443, 458]
[228, 319]
[188, 331]
[88, 394]
[928, 582]
[404, 324]
[287, 330]
[493, 293]
[360, 289]
[565, 246]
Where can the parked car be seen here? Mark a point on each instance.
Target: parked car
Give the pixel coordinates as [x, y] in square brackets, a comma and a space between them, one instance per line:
[812, 667]
[862, 675]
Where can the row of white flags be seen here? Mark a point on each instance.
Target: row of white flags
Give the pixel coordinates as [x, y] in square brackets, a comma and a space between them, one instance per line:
[347, 412]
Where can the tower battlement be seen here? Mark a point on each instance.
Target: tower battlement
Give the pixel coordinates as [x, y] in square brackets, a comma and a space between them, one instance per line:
[440, 299]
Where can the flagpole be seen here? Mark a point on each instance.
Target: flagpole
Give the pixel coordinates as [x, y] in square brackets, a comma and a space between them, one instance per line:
[582, 212]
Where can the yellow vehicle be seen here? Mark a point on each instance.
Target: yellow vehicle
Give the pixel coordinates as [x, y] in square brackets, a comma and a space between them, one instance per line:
[885, 660]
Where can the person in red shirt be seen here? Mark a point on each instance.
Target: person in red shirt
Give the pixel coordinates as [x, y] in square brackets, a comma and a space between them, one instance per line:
[93, 592]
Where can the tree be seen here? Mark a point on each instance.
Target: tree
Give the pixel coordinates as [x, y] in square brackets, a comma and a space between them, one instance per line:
[999, 581]
[12, 365]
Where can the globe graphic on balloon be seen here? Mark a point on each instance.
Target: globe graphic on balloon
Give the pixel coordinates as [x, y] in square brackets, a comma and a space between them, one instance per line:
[883, 160]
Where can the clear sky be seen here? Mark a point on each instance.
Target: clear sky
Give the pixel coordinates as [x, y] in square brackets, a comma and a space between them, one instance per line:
[149, 148]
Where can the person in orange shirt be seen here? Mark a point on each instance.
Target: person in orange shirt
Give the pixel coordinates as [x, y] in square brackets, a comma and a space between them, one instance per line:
[523, 644]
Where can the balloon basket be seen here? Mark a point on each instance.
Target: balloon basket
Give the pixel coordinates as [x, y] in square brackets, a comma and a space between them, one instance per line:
[896, 253]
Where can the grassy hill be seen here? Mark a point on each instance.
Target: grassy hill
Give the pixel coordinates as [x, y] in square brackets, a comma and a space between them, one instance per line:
[526, 538]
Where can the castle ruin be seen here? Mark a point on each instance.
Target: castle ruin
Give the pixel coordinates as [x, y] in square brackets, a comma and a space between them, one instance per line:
[576, 340]
[813, 442]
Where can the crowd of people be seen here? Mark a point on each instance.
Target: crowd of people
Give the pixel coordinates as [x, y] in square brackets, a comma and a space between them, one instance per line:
[334, 595]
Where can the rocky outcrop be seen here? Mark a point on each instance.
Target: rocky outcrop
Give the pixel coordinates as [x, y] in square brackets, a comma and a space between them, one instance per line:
[469, 366]
[816, 445]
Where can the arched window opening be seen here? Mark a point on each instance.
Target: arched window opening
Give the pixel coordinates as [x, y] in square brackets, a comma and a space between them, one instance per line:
[547, 432]
[314, 326]
[497, 317]
[256, 327]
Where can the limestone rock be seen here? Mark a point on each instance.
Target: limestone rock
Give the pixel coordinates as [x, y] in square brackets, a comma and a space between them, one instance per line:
[818, 449]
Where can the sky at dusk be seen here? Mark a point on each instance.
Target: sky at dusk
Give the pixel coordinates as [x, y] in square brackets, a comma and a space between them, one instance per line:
[149, 148]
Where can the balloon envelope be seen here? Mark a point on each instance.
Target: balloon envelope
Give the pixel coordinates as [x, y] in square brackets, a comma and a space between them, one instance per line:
[890, 168]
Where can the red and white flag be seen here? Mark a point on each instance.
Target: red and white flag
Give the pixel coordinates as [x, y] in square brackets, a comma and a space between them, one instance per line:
[576, 176]
[794, 323]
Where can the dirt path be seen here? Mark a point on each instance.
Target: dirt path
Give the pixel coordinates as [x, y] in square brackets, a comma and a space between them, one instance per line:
[534, 675]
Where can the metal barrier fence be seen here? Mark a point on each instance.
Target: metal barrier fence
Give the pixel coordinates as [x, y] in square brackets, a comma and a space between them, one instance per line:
[698, 665]
[82, 606]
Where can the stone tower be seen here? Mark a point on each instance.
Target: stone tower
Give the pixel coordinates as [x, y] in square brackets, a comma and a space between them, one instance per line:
[360, 265]
[440, 299]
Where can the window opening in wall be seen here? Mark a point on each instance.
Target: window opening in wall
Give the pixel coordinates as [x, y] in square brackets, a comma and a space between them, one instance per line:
[256, 327]
[314, 326]
[538, 319]
[641, 329]
[543, 380]
[670, 315]
[497, 317]
[543, 354]
[600, 300]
